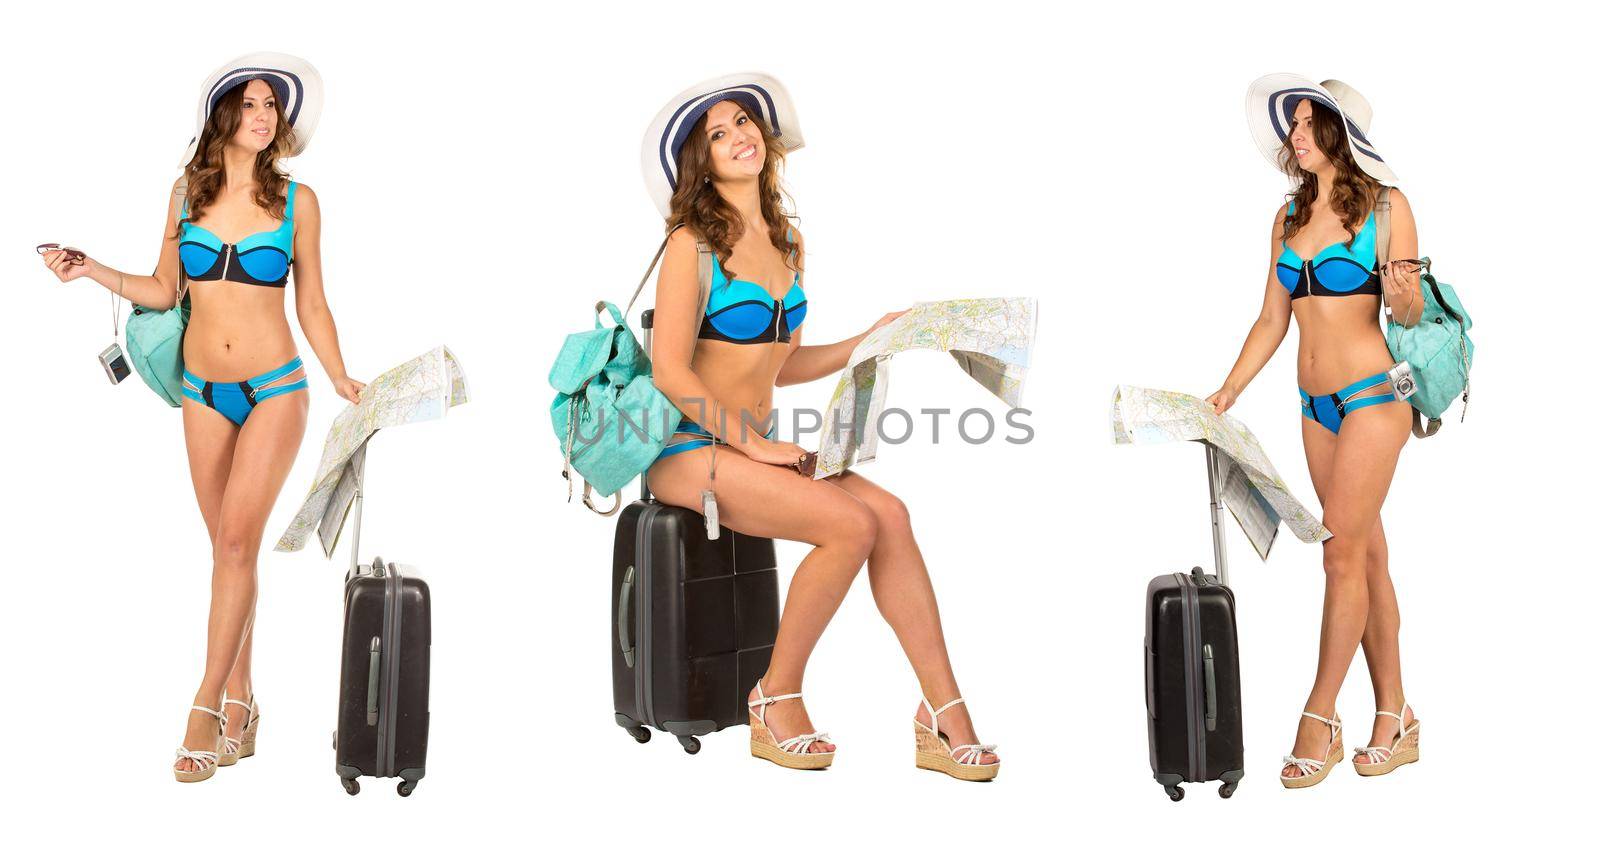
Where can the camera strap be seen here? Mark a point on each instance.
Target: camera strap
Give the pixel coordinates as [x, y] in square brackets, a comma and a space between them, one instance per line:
[116, 310]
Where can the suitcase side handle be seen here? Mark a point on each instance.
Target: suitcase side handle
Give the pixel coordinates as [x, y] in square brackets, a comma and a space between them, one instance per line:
[1211, 688]
[373, 660]
[624, 614]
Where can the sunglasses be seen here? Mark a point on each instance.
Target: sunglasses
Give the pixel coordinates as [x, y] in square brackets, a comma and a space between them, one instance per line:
[75, 255]
[1425, 264]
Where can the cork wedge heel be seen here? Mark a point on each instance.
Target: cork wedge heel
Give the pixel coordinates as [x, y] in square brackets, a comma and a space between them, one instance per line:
[1313, 770]
[204, 760]
[934, 751]
[244, 746]
[1407, 747]
[794, 753]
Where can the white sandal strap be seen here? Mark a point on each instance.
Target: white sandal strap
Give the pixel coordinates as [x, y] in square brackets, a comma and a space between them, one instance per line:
[763, 700]
[247, 706]
[202, 758]
[972, 753]
[801, 744]
[1333, 722]
[1375, 754]
[1306, 766]
[935, 712]
[217, 714]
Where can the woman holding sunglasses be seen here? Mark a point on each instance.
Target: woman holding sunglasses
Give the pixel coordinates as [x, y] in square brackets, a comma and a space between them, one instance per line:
[235, 227]
[1325, 273]
[711, 159]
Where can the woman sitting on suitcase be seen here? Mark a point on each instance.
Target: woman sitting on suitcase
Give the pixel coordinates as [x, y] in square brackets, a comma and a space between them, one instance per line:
[1325, 271]
[712, 159]
[234, 227]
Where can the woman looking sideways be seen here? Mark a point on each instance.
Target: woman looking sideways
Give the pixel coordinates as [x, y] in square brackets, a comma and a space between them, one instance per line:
[712, 159]
[228, 248]
[1324, 271]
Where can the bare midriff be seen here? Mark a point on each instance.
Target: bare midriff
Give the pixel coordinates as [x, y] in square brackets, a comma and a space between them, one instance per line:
[742, 378]
[1340, 342]
[236, 331]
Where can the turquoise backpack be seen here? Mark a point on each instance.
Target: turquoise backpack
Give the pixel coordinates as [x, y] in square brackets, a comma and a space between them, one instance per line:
[611, 420]
[1437, 347]
[155, 337]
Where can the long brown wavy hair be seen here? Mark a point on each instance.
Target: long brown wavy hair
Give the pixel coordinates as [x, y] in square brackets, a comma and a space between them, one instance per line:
[696, 203]
[205, 170]
[1354, 192]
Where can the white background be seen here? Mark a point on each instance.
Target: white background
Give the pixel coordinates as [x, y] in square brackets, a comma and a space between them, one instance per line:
[478, 170]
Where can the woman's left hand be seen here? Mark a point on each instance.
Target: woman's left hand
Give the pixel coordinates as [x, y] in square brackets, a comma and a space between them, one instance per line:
[1402, 287]
[887, 318]
[349, 389]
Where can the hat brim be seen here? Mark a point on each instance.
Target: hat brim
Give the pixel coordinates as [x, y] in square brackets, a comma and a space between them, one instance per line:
[296, 83]
[1270, 105]
[757, 92]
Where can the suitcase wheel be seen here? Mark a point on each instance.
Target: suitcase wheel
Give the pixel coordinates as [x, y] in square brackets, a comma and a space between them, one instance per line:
[691, 744]
[404, 788]
[1175, 793]
[1227, 788]
[351, 786]
[640, 734]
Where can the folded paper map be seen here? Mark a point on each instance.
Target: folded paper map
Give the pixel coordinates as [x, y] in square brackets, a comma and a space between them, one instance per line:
[990, 339]
[420, 389]
[1250, 487]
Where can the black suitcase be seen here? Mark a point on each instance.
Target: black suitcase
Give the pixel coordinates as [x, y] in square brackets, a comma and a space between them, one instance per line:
[1191, 652]
[383, 678]
[693, 622]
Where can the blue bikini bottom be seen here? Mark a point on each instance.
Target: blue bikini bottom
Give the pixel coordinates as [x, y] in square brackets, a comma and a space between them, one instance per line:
[1330, 410]
[235, 400]
[702, 439]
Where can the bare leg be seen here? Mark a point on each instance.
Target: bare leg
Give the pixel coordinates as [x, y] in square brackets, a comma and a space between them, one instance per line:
[1365, 453]
[1380, 642]
[209, 439]
[263, 454]
[238, 686]
[774, 502]
[904, 594]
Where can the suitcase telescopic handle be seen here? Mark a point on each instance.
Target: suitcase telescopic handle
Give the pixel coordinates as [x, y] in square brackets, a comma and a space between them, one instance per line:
[373, 660]
[624, 615]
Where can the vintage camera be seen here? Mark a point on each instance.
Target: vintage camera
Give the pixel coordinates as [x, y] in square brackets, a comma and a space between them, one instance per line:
[115, 364]
[1402, 381]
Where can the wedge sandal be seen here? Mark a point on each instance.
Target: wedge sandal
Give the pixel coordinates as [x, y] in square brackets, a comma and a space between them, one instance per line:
[1313, 770]
[205, 760]
[1407, 747]
[794, 753]
[934, 751]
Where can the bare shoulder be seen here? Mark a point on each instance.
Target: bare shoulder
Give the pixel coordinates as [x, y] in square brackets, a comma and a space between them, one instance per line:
[1398, 201]
[304, 196]
[1279, 220]
[799, 250]
[683, 235]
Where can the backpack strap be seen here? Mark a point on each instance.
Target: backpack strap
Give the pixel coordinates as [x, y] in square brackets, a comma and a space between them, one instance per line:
[180, 192]
[1380, 213]
[703, 269]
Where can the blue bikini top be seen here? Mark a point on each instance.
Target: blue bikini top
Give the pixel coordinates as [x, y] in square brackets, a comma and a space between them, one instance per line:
[261, 259]
[745, 313]
[1338, 270]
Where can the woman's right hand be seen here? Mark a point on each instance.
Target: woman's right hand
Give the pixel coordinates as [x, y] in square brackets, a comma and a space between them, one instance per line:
[786, 454]
[60, 263]
[1222, 399]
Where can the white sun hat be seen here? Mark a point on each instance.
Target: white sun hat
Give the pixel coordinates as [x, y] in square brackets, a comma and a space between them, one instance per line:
[296, 83]
[1270, 106]
[759, 93]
